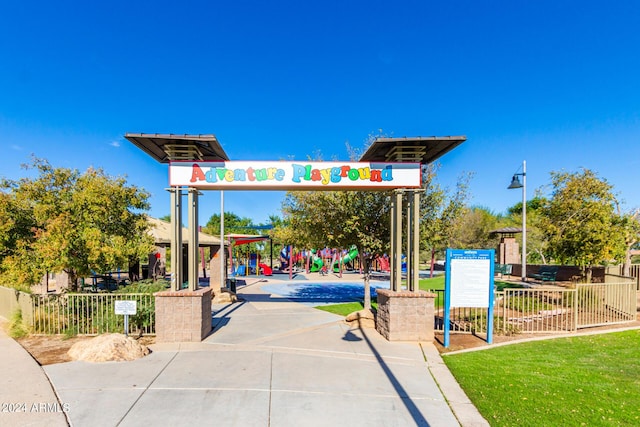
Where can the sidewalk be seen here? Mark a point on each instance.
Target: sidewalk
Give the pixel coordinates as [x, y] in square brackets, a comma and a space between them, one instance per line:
[268, 362]
[26, 396]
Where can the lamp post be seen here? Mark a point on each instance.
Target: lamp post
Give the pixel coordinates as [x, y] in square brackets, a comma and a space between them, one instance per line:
[515, 183]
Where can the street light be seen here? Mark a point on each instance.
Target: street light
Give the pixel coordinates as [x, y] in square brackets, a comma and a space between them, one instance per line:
[515, 183]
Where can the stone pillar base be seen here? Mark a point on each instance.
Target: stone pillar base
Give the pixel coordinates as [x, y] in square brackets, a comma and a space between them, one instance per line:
[405, 316]
[183, 315]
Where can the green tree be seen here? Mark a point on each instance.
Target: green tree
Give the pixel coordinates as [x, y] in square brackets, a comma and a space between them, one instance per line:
[581, 221]
[630, 223]
[232, 224]
[64, 220]
[439, 211]
[537, 245]
[339, 219]
[472, 229]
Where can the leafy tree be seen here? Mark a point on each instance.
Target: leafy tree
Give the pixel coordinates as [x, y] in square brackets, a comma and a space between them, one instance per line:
[537, 245]
[64, 220]
[439, 211]
[339, 219]
[232, 224]
[630, 223]
[472, 229]
[581, 223]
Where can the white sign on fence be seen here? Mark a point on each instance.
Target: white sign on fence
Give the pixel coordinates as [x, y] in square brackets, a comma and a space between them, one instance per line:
[126, 307]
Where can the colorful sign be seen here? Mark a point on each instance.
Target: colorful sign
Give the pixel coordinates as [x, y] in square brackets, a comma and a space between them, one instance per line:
[289, 175]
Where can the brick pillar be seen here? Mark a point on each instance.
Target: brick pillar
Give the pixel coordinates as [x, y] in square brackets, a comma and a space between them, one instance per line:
[183, 315]
[405, 315]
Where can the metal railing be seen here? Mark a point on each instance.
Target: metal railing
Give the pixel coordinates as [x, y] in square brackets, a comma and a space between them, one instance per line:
[537, 310]
[544, 310]
[89, 314]
[605, 303]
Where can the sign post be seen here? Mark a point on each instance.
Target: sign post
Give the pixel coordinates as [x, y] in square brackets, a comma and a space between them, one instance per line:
[126, 307]
[469, 283]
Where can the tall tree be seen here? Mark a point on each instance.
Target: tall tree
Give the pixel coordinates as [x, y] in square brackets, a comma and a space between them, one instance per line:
[581, 221]
[232, 224]
[64, 220]
[537, 245]
[472, 229]
[630, 223]
[339, 219]
[439, 211]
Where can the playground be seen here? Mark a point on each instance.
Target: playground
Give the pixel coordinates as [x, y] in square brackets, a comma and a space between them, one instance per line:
[292, 261]
[319, 293]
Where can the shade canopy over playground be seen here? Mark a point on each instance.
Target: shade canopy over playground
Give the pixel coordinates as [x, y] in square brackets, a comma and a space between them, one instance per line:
[243, 239]
[165, 148]
[421, 149]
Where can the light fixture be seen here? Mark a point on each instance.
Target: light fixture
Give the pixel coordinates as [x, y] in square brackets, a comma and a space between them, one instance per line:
[515, 183]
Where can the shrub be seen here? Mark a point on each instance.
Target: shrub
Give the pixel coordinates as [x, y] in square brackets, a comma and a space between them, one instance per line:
[147, 286]
[17, 329]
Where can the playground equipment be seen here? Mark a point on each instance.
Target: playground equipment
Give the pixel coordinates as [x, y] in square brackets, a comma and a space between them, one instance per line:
[245, 263]
[284, 258]
[350, 256]
[265, 269]
[383, 263]
[316, 262]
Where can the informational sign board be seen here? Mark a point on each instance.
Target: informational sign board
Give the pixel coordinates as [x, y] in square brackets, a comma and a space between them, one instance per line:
[125, 307]
[469, 283]
[470, 278]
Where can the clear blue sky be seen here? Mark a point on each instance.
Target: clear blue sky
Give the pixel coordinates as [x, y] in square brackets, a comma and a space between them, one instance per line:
[555, 83]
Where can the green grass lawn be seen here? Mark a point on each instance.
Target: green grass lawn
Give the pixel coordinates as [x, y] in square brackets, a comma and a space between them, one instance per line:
[433, 284]
[578, 381]
[437, 283]
[345, 308]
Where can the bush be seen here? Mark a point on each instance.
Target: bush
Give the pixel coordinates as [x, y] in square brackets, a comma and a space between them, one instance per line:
[147, 286]
[17, 329]
[527, 304]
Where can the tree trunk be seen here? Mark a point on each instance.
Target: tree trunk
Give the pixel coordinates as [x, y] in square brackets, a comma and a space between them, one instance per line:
[626, 266]
[367, 286]
[72, 280]
[588, 273]
[433, 261]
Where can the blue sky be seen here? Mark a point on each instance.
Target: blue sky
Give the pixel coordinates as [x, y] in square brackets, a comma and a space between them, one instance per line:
[555, 83]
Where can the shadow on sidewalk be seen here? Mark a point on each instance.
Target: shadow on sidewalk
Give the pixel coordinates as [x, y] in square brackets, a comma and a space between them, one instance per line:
[402, 393]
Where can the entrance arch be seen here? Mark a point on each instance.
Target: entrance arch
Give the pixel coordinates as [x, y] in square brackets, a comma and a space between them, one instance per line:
[198, 163]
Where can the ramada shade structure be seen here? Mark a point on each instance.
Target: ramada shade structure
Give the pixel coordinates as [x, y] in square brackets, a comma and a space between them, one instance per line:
[169, 147]
[172, 147]
[420, 149]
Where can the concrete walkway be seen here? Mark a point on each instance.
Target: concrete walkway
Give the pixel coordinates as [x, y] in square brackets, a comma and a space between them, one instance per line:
[26, 396]
[268, 362]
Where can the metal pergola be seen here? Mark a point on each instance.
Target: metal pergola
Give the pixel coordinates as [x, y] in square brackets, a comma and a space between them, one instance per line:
[423, 150]
[165, 148]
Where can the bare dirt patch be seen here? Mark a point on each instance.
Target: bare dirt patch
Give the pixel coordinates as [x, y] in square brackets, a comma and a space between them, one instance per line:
[51, 349]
